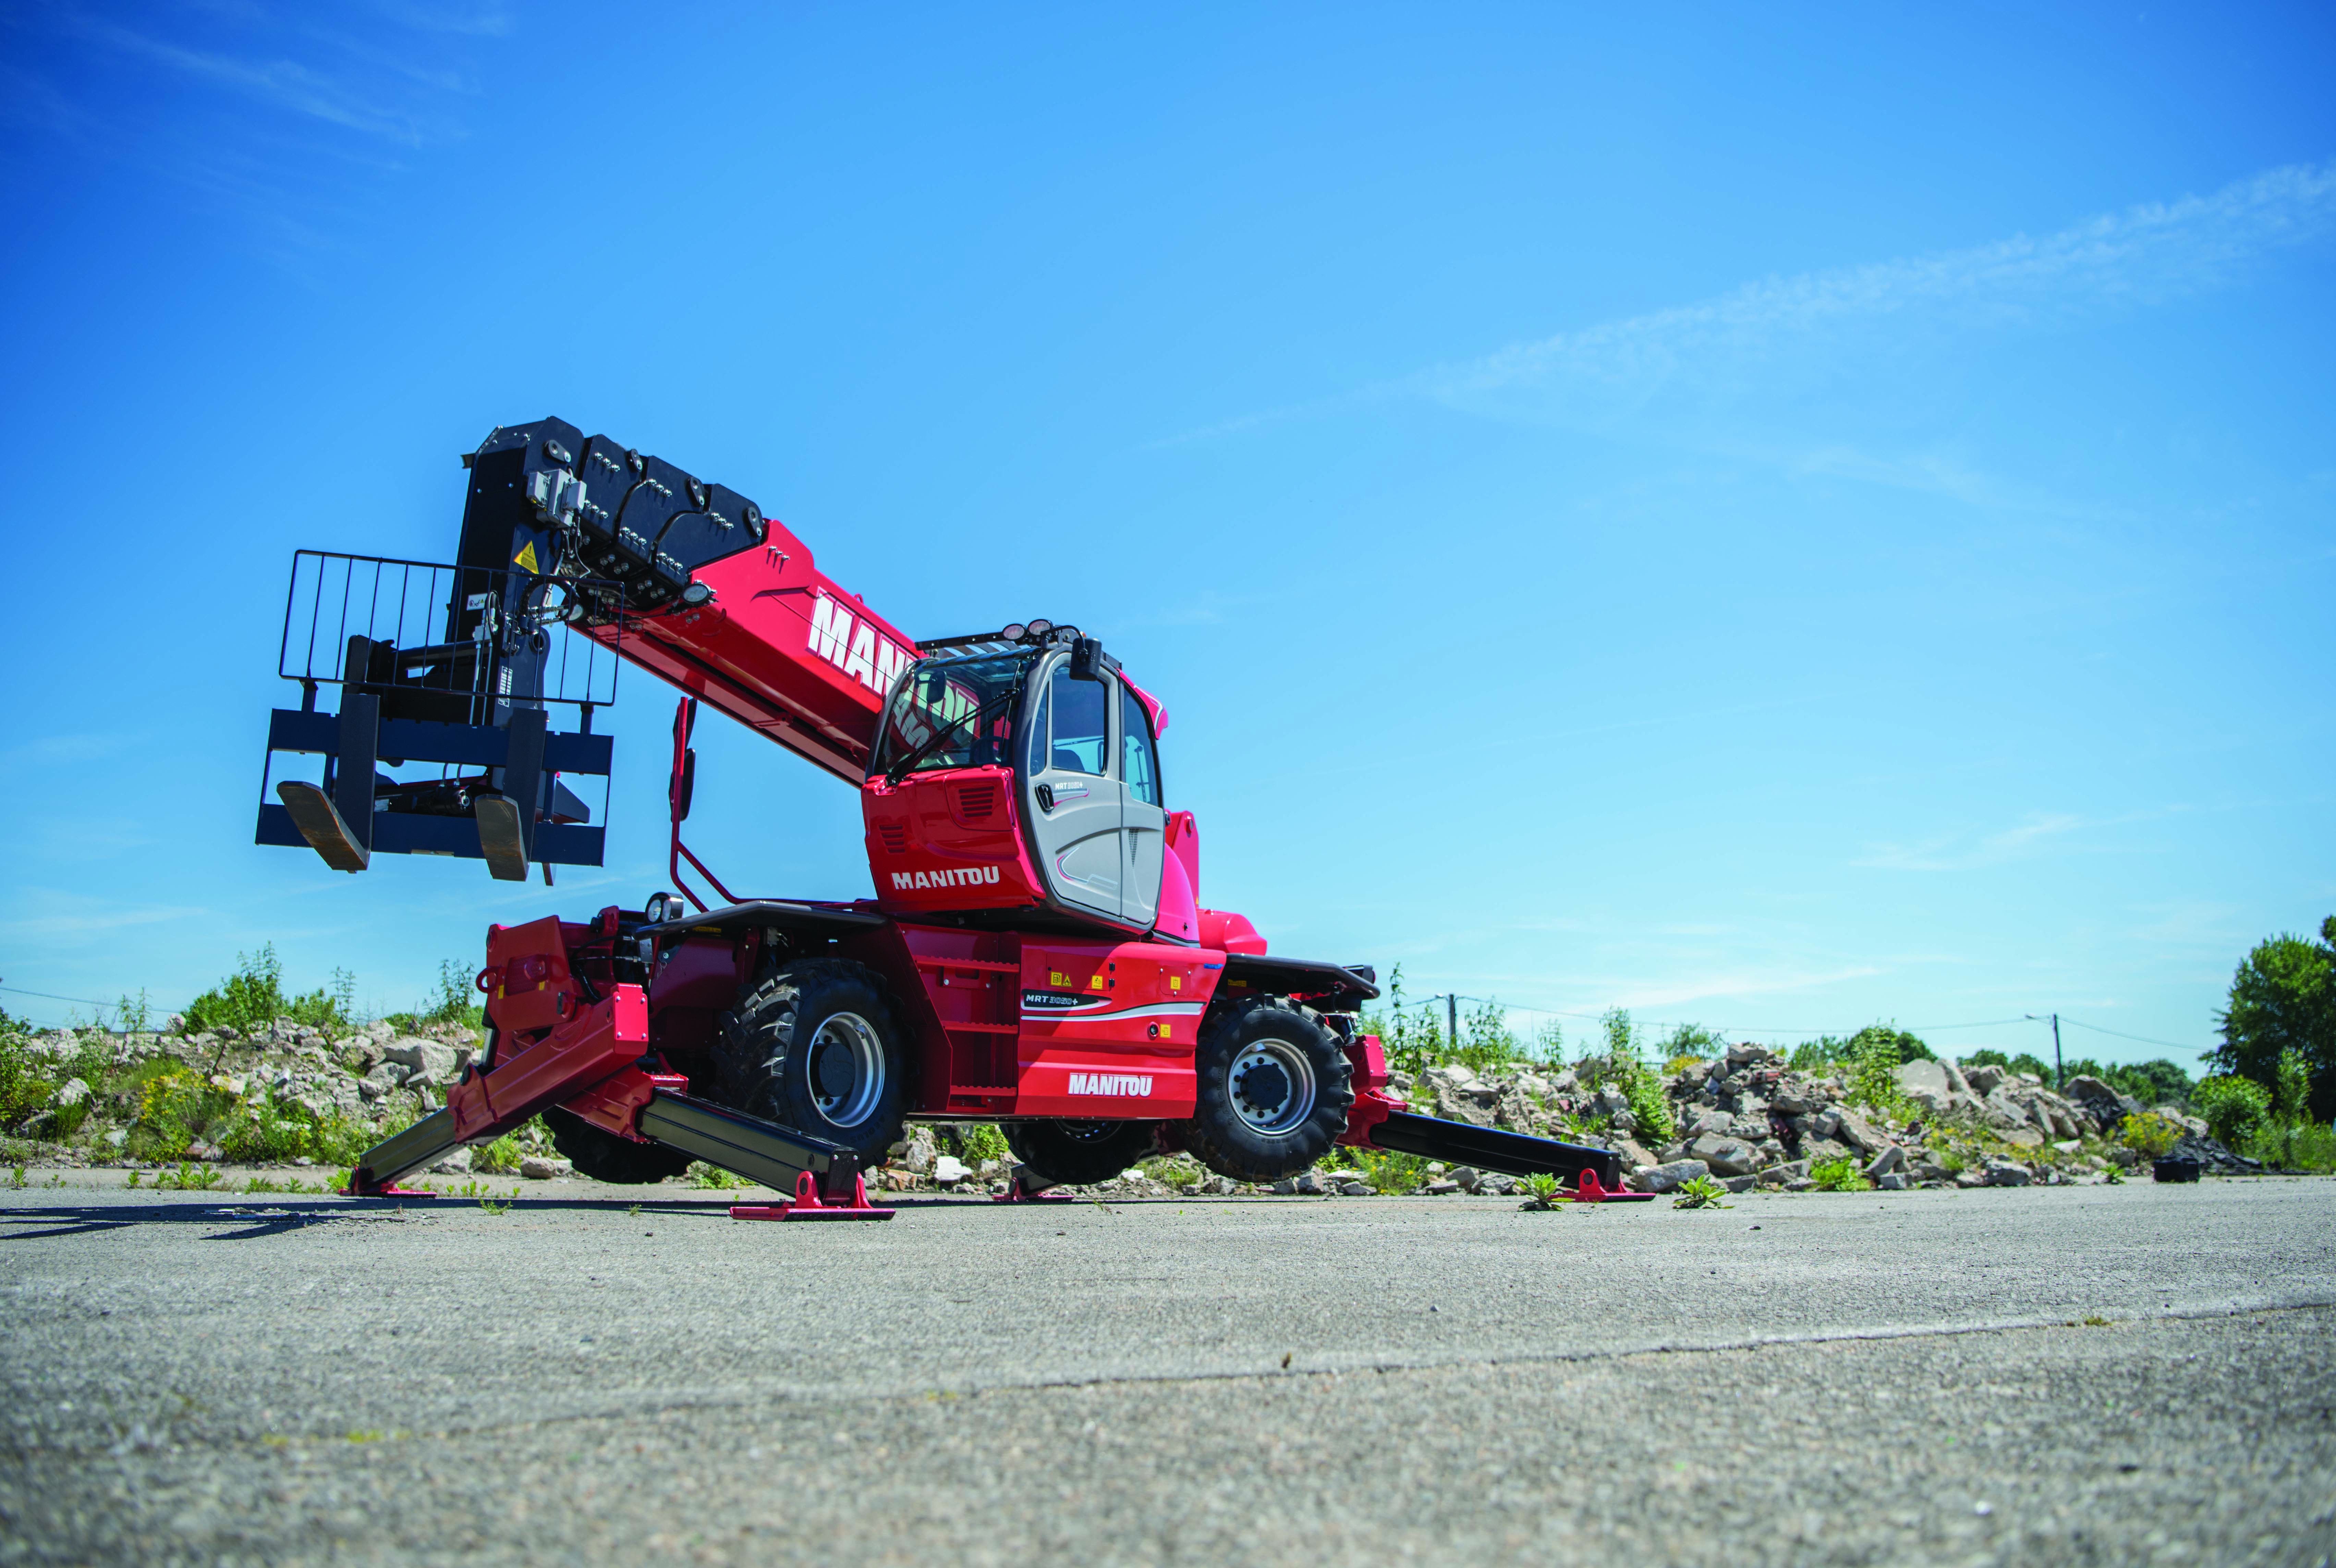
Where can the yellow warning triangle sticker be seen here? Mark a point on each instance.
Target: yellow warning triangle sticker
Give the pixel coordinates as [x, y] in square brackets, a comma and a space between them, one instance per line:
[526, 558]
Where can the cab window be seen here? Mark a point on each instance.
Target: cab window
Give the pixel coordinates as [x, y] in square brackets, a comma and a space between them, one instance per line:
[1139, 763]
[1081, 724]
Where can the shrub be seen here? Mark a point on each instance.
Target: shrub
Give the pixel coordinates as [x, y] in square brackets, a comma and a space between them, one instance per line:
[1873, 1062]
[1387, 1172]
[2283, 998]
[1691, 1042]
[26, 1083]
[1642, 1087]
[2150, 1133]
[979, 1141]
[2233, 1106]
[1839, 1175]
[2022, 1063]
[499, 1157]
[253, 997]
[712, 1177]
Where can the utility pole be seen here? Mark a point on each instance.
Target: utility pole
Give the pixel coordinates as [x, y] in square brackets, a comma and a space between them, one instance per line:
[1451, 1016]
[2059, 1073]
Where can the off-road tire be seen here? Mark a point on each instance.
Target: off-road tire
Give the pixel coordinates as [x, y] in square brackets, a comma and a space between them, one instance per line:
[766, 1061]
[1230, 1133]
[1080, 1154]
[604, 1157]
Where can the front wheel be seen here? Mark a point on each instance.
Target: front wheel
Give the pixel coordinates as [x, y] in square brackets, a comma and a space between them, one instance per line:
[818, 1047]
[1271, 1091]
[1080, 1154]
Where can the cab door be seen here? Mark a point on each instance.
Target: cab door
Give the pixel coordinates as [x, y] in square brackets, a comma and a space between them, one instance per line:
[1142, 813]
[1071, 790]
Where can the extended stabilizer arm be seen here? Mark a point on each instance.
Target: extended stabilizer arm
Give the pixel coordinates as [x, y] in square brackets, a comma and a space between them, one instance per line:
[593, 1065]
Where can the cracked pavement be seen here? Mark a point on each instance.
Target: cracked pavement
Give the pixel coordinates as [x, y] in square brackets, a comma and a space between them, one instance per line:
[2099, 1375]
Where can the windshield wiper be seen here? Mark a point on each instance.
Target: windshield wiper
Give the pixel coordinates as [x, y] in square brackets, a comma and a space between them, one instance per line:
[898, 770]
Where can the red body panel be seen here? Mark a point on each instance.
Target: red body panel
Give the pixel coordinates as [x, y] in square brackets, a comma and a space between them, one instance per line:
[1002, 1022]
[594, 1043]
[1108, 1027]
[947, 840]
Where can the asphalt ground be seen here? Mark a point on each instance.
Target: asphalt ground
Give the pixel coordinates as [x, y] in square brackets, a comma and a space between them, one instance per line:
[2113, 1374]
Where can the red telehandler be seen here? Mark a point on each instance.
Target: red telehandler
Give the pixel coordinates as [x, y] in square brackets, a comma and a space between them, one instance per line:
[1036, 954]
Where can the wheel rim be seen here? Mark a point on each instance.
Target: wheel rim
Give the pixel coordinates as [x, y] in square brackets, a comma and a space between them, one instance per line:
[1271, 1087]
[846, 1071]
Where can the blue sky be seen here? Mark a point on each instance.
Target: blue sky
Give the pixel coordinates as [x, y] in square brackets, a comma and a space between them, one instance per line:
[1774, 520]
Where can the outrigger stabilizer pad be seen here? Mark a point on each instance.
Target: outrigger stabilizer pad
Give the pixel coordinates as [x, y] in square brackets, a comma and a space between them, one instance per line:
[1028, 1186]
[1592, 1190]
[807, 1205]
[321, 823]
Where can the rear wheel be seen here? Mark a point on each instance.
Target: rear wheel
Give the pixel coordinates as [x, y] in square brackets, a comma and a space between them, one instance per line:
[1080, 1154]
[602, 1155]
[818, 1047]
[1271, 1091]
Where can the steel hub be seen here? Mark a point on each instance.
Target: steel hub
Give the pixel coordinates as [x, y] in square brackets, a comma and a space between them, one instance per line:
[1271, 1087]
[847, 1070]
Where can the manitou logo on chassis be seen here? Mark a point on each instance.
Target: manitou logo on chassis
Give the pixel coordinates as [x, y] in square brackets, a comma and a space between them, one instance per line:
[1125, 1084]
[963, 877]
[858, 650]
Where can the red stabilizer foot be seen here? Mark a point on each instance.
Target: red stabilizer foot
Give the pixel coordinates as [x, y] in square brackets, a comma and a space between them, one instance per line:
[807, 1205]
[1593, 1191]
[390, 1191]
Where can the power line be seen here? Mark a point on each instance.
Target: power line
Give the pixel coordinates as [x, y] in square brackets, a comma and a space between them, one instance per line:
[2144, 1040]
[1723, 1029]
[45, 996]
[1746, 1029]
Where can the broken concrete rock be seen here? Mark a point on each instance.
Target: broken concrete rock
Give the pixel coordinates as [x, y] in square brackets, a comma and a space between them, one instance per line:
[1722, 1156]
[1666, 1177]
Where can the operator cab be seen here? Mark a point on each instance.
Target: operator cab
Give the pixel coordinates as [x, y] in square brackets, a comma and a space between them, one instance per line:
[1020, 769]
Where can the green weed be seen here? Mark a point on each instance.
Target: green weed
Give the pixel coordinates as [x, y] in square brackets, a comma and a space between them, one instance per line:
[713, 1178]
[1701, 1193]
[2150, 1133]
[1542, 1191]
[1839, 1175]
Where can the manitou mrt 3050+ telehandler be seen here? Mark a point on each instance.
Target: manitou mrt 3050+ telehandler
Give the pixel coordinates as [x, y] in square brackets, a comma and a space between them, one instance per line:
[1036, 954]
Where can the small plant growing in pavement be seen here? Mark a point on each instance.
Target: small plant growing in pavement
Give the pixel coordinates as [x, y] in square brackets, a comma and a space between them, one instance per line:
[1542, 1192]
[1701, 1193]
[1839, 1175]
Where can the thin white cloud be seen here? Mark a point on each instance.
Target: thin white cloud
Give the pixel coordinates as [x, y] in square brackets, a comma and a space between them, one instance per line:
[285, 83]
[1713, 374]
[2145, 254]
[1953, 854]
[60, 750]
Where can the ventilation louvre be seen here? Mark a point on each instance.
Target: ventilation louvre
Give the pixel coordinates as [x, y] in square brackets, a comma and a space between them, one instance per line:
[977, 803]
[895, 835]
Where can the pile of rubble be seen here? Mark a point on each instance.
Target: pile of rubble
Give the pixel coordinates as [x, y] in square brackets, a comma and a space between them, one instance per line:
[1744, 1118]
[375, 1078]
[1747, 1118]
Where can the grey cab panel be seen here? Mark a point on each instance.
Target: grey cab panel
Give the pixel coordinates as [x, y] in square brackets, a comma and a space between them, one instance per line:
[1072, 793]
[1091, 786]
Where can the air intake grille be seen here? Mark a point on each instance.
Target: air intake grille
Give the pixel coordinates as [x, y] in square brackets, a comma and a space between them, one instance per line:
[976, 802]
[895, 836]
